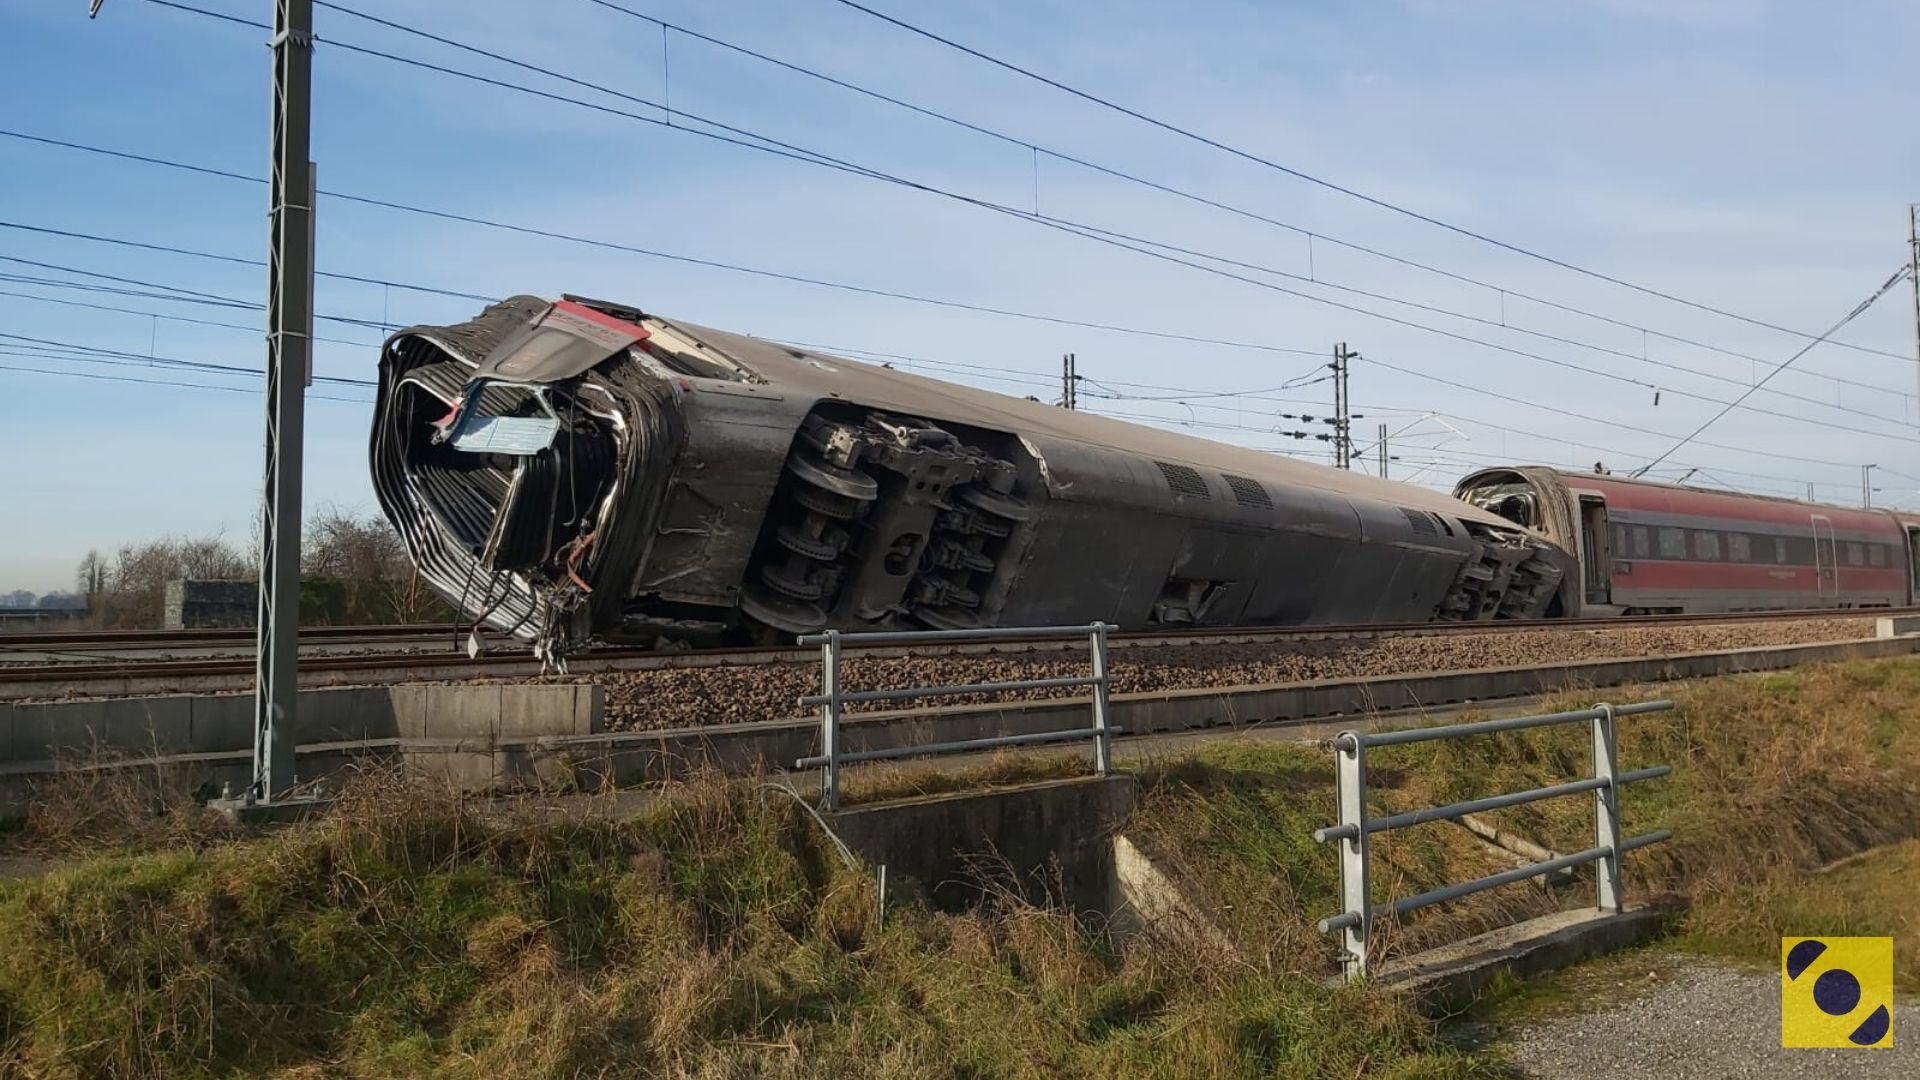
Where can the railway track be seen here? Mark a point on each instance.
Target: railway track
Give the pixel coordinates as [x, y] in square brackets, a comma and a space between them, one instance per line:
[213, 636]
[163, 673]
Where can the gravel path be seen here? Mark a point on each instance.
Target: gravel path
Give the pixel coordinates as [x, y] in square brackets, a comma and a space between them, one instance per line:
[689, 697]
[1703, 1019]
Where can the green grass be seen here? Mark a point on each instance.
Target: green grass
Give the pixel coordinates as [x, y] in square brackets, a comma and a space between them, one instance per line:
[1774, 777]
[1235, 823]
[1871, 897]
[716, 935]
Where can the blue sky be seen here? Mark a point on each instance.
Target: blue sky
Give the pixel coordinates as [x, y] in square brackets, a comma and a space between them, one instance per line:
[1752, 156]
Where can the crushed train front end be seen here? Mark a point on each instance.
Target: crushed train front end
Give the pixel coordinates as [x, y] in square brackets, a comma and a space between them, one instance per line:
[521, 469]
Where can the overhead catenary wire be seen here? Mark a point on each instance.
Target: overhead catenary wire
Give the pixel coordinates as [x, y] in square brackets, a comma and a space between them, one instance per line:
[1039, 379]
[1349, 192]
[163, 317]
[897, 294]
[1110, 237]
[1898, 276]
[1122, 240]
[103, 377]
[1484, 391]
[1453, 383]
[1311, 234]
[1084, 324]
[166, 361]
[479, 296]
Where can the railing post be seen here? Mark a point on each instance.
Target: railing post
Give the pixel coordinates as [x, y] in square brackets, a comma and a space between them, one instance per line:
[1606, 810]
[1350, 769]
[830, 720]
[1102, 727]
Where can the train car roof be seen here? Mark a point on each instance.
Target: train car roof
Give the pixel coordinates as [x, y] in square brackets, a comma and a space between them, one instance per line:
[791, 369]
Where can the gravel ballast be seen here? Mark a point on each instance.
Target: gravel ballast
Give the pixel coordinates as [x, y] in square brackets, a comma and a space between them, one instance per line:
[692, 697]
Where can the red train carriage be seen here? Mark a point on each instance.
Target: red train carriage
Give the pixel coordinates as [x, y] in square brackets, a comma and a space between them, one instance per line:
[1646, 547]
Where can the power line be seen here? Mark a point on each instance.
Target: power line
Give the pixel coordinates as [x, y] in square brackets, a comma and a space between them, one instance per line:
[100, 376]
[915, 298]
[1570, 413]
[167, 361]
[169, 318]
[1898, 276]
[155, 291]
[1003, 375]
[1409, 371]
[1343, 190]
[171, 249]
[710, 263]
[438, 291]
[1109, 237]
[1310, 234]
[1038, 380]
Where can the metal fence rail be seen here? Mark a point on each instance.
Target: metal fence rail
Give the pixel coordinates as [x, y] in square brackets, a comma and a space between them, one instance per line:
[1351, 834]
[832, 700]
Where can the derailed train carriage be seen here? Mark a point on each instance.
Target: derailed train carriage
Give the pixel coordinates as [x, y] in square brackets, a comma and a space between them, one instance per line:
[575, 472]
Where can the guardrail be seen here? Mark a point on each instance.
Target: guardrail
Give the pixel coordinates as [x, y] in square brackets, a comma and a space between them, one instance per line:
[832, 699]
[1351, 834]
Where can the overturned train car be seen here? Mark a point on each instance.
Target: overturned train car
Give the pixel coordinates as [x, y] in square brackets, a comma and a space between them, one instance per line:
[575, 472]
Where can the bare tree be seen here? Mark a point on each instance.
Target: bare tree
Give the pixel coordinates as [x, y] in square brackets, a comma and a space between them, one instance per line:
[364, 558]
[130, 590]
[354, 569]
[92, 575]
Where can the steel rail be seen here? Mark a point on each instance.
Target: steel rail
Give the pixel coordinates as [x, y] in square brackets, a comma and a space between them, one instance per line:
[619, 658]
[107, 639]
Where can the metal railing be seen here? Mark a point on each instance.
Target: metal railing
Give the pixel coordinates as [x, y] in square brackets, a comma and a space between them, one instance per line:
[1351, 835]
[832, 700]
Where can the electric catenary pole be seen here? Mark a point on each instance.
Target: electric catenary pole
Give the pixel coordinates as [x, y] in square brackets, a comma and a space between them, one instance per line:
[1069, 383]
[1342, 420]
[1913, 274]
[289, 370]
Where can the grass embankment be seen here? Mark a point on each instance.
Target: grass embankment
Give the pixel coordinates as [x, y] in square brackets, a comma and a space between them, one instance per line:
[717, 935]
[714, 936]
[1774, 777]
[1235, 823]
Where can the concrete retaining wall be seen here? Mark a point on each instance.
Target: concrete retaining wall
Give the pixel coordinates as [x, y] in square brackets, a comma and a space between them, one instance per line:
[216, 723]
[510, 735]
[193, 603]
[1053, 838]
[638, 757]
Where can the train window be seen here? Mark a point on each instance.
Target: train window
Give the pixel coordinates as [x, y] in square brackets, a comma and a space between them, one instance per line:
[1739, 547]
[1855, 556]
[1780, 549]
[1673, 543]
[1877, 554]
[1706, 545]
[1642, 549]
[1619, 541]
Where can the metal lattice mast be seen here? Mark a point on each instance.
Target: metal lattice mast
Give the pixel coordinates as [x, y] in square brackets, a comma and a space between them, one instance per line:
[1342, 423]
[289, 370]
